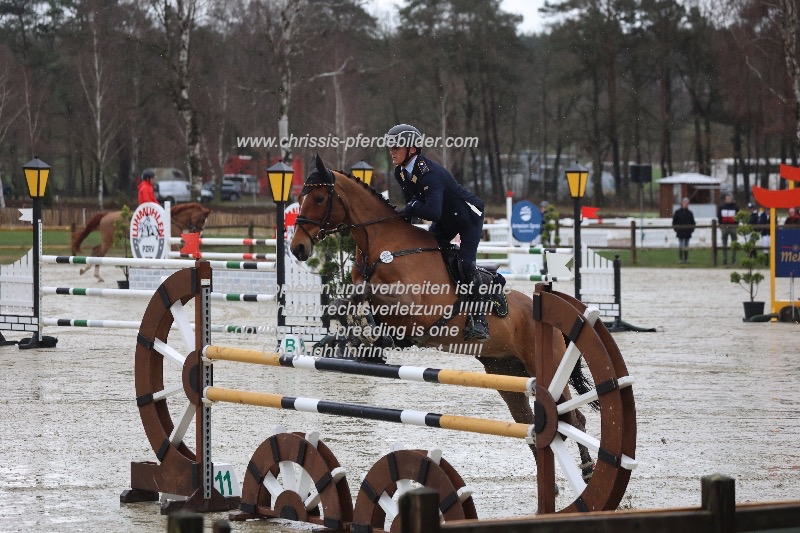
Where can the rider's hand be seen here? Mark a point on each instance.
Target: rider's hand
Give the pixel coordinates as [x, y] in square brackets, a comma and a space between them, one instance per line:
[410, 205]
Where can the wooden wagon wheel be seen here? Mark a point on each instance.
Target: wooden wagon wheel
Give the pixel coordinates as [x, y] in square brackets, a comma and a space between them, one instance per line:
[613, 452]
[159, 359]
[296, 477]
[400, 471]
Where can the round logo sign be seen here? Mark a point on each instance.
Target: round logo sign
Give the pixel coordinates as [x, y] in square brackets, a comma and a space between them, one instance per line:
[148, 232]
[289, 218]
[526, 221]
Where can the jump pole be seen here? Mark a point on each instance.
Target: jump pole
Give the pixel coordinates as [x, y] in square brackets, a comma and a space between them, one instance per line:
[403, 372]
[401, 416]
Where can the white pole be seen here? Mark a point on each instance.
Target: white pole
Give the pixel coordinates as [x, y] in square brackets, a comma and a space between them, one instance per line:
[509, 198]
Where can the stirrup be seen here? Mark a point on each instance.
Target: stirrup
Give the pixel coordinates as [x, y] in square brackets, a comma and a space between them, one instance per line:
[476, 330]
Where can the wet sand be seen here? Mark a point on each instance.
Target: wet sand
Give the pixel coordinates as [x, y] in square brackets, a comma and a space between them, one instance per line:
[713, 395]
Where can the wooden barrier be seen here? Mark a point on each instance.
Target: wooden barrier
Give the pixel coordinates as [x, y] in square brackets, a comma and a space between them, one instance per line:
[718, 513]
[187, 472]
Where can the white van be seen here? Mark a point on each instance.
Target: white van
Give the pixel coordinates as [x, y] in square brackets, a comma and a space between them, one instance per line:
[175, 191]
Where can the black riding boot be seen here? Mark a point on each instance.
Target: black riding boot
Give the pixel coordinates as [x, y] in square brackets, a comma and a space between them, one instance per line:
[476, 328]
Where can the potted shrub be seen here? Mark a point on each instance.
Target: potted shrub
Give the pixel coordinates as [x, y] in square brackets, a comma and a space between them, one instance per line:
[752, 260]
[122, 238]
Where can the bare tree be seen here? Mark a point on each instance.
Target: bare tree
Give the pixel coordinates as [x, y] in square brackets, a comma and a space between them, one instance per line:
[788, 25]
[283, 19]
[8, 111]
[178, 18]
[95, 82]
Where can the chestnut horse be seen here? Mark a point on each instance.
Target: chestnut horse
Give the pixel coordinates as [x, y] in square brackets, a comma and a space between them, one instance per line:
[331, 202]
[185, 218]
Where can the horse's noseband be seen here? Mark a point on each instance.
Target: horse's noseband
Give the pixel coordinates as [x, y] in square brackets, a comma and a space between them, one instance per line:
[324, 231]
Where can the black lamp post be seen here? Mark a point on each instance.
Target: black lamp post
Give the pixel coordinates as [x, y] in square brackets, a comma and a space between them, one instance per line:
[280, 183]
[36, 174]
[577, 176]
[362, 171]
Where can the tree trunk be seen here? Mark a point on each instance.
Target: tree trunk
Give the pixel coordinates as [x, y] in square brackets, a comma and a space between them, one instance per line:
[789, 22]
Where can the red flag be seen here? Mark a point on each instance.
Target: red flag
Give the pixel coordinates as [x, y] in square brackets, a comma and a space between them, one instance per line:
[590, 212]
[191, 244]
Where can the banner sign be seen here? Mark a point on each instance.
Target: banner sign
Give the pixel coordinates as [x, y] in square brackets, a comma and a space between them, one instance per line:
[526, 221]
[787, 252]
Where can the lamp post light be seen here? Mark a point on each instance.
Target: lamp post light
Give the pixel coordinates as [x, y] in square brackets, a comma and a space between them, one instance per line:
[280, 183]
[362, 171]
[577, 176]
[36, 174]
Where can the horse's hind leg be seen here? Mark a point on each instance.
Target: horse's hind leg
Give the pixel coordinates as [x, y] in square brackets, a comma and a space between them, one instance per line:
[99, 251]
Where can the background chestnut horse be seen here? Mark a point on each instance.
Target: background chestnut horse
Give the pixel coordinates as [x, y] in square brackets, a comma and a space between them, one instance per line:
[332, 201]
[184, 218]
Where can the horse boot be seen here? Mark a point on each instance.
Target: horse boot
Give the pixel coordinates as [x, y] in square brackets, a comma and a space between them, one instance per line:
[476, 327]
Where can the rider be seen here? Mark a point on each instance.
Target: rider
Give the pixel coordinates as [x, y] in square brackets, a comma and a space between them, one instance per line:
[431, 193]
[146, 191]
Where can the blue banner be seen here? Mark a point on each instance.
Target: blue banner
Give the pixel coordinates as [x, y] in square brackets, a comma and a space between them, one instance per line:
[787, 252]
[526, 221]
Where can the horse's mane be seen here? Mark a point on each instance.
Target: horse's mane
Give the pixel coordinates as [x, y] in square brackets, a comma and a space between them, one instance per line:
[180, 208]
[367, 187]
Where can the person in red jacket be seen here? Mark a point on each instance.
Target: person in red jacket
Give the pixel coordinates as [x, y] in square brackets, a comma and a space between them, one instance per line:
[146, 192]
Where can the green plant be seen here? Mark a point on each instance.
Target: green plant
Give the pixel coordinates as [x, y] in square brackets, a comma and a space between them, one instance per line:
[333, 259]
[549, 235]
[122, 233]
[752, 260]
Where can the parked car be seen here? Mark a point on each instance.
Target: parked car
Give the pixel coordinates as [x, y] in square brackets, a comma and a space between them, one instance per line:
[207, 192]
[174, 191]
[230, 190]
[247, 184]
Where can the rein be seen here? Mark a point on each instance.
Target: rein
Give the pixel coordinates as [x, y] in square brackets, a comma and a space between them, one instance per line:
[339, 228]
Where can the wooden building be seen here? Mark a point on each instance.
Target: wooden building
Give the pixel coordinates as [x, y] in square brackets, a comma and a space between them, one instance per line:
[702, 191]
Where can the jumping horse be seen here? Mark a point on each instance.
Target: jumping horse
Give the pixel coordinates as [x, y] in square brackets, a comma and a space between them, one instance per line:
[185, 218]
[392, 251]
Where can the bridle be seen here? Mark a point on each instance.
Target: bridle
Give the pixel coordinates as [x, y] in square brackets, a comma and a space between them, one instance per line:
[363, 266]
[323, 225]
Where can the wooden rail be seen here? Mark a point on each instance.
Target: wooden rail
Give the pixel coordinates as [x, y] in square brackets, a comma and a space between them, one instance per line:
[718, 512]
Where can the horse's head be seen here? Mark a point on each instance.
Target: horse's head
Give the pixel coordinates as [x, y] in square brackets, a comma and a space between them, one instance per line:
[319, 214]
[189, 218]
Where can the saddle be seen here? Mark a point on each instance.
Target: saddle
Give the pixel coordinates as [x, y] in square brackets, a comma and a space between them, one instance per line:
[494, 280]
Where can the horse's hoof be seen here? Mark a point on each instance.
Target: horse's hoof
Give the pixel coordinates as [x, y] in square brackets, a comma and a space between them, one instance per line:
[587, 469]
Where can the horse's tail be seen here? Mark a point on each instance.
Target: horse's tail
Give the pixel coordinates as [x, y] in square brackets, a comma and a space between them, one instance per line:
[581, 383]
[78, 238]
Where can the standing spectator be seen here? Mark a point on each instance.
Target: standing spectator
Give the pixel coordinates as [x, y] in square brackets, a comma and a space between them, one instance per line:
[793, 219]
[763, 221]
[753, 215]
[726, 216]
[683, 224]
[146, 192]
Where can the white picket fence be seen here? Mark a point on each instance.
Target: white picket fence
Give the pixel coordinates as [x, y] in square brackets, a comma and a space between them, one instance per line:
[16, 296]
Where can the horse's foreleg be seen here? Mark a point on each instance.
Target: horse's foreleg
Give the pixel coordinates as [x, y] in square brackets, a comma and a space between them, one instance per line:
[85, 269]
[97, 273]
